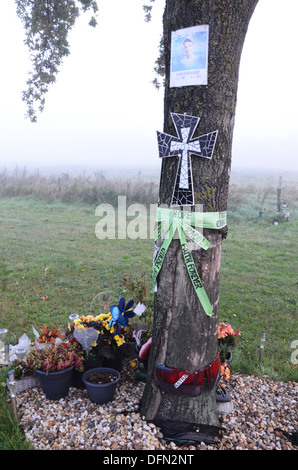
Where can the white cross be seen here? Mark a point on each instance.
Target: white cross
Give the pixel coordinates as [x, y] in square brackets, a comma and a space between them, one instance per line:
[183, 146]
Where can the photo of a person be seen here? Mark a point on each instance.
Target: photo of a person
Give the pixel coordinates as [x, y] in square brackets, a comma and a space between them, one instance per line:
[189, 54]
[190, 60]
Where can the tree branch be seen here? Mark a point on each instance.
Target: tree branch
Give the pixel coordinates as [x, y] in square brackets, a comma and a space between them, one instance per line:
[47, 24]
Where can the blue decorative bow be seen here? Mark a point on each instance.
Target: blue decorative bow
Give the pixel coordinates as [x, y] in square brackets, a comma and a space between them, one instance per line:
[121, 314]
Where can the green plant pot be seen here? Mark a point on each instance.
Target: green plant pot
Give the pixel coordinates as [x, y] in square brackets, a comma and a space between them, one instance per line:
[101, 393]
[55, 385]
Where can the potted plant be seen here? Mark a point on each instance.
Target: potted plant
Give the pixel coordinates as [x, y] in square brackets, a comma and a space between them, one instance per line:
[133, 338]
[54, 362]
[102, 337]
[86, 337]
[101, 384]
[25, 376]
[226, 341]
[48, 335]
[139, 290]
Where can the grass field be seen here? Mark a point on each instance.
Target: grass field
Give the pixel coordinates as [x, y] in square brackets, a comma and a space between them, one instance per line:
[52, 264]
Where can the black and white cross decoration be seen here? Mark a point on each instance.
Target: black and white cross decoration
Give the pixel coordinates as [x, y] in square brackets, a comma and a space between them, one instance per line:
[182, 146]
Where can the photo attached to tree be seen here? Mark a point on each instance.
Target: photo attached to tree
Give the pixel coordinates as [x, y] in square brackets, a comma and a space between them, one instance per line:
[189, 56]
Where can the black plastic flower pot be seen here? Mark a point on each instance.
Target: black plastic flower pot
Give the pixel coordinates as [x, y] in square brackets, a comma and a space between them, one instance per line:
[101, 392]
[77, 381]
[115, 362]
[55, 385]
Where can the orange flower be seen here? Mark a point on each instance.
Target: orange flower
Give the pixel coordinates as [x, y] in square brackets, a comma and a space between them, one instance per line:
[49, 336]
[225, 371]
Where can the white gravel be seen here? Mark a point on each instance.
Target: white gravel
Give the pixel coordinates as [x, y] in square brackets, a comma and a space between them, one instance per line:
[264, 417]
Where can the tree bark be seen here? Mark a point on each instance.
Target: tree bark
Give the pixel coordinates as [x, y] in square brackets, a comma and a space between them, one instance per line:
[184, 337]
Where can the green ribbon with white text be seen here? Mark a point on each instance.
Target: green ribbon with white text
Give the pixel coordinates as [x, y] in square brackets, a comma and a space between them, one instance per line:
[170, 220]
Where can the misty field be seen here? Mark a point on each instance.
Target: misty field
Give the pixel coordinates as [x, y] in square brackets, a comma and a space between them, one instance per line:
[52, 264]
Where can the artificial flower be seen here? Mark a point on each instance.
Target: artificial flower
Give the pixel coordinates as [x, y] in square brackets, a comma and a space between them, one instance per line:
[225, 371]
[121, 314]
[109, 326]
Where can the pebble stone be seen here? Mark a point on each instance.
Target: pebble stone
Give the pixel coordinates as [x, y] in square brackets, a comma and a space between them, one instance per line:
[264, 417]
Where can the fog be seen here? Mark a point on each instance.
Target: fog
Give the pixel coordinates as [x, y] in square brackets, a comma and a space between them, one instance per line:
[103, 110]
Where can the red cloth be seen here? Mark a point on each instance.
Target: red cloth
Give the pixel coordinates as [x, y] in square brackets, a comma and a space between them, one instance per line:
[145, 349]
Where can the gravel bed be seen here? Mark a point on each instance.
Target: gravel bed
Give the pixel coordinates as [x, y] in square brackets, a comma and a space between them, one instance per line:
[264, 417]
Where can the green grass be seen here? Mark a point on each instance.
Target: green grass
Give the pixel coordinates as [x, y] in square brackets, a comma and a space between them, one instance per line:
[259, 293]
[52, 265]
[11, 437]
[51, 251]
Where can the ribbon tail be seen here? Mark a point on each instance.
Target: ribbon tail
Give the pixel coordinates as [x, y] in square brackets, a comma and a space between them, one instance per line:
[195, 236]
[193, 274]
[159, 259]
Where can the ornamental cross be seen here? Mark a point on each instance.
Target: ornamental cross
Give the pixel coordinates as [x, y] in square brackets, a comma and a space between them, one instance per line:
[183, 147]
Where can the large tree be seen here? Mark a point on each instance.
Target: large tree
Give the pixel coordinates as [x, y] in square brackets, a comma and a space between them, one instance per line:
[184, 337]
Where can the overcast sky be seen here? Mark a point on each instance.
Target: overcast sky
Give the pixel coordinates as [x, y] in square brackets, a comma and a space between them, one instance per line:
[104, 111]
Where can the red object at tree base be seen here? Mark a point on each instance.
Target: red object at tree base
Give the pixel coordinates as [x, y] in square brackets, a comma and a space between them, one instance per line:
[145, 349]
[179, 382]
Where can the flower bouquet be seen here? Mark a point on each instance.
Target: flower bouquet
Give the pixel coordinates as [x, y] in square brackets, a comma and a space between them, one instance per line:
[226, 341]
[101, 337]
[103, 334]
[47, 336]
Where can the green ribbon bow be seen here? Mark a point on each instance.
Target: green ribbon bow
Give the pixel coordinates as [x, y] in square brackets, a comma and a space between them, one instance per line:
[170, 220]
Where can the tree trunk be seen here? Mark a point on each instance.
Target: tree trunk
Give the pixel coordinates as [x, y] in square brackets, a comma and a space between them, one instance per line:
[184, 337]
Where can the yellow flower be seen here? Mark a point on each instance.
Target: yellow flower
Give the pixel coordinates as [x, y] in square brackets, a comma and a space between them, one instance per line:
[89, 318]
[101, 317]
[119, 340]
